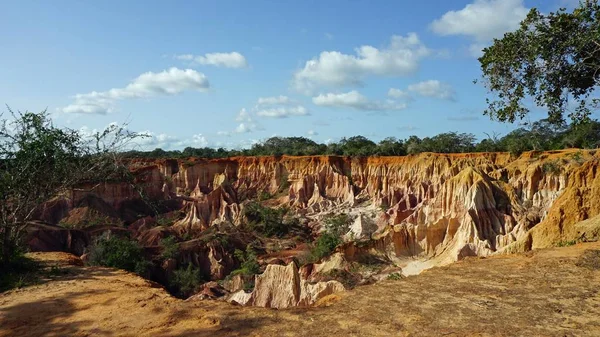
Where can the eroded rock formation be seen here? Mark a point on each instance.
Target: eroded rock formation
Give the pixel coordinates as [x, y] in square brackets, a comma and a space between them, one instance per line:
[436, 207]
[282, 287]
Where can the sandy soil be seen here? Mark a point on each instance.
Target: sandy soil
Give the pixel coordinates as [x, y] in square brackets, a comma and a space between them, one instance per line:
[553, 292]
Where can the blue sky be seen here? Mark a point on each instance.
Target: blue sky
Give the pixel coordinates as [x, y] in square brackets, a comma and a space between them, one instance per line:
[230, 73]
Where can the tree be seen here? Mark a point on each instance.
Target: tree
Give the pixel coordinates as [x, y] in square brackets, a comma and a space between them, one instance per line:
[449, 142]
[112, 251]
[413, 145]
[391, 146]
[490, 144]
[546, 135]
[585, 136]
[516, 142]
[357, 146]
[552, 59]
[39, 161]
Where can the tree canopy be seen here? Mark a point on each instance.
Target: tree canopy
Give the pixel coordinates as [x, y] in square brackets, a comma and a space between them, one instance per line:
[540, 135]
[554, 59]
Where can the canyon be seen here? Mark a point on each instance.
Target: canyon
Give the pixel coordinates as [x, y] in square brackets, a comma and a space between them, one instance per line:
[410, 218]
[411, 213]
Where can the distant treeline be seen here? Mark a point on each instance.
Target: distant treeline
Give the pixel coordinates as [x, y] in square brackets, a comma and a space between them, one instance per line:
[541, 136]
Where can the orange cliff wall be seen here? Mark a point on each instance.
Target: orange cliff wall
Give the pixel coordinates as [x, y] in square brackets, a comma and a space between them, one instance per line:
[436, 205]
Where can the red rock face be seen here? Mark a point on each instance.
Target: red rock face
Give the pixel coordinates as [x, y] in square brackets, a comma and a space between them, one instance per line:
[442, 206]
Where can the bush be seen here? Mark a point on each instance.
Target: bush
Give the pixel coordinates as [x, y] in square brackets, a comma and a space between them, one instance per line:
[338, 224]
[268, 221]
[395, 276]
[324, 246]
[327, 242]
[578, 157]
[170, 248]
[264, 195]
[248, 262]
[113, 251]
[185, 281]
[551, 167]
[566, 243]
[21, 271]
[284, 182]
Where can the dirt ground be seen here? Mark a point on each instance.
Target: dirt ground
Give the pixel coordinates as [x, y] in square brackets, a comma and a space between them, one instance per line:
[552, 292]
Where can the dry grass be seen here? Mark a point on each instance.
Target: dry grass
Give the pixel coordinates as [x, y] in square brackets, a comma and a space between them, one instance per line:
[551, 292]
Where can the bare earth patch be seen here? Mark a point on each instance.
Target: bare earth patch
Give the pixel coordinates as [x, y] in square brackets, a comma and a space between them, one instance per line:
[552, 292]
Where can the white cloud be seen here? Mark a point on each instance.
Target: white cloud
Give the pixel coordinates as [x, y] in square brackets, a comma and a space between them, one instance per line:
[168, 82]
[247, 127]
[283, 112]
[406, 128]
[333, 68]
[355, 100]
[243, 116]
[312, 133]
[279, 107]
[397, 93]
[88, 107]
[151, 141]
[242, 128]
[199, 140]
[247, 124]
[433, 88]
[482, 20]
[228, 60]
[273, 100]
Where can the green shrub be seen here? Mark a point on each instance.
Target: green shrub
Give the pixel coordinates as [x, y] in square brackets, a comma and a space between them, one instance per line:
[284, 182]
[578, 157]
[170, 248]
[164, 221]
[268, 221]
[221, 238]
[338, 224]
[324, 246]
[184, 281]
[551, 167]
[248, 262]
[566, 243]
[330, 238]
[264, 195]
[113, 251]
[20, 272]
[395, 276]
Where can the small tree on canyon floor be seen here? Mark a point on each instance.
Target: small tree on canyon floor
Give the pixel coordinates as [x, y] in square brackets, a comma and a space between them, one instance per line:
[39, 161]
